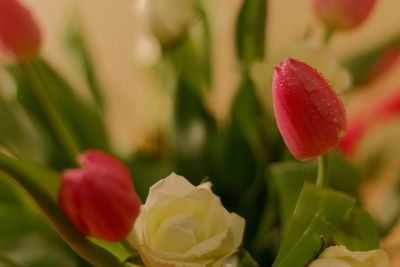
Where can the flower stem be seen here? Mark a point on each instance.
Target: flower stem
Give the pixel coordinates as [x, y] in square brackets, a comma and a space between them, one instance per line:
[322, 170]
[61, 130]
[134, 257]
[129, 247]
[328, 36]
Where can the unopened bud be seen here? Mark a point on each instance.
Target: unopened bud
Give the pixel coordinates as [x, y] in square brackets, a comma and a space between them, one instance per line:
[309, 113]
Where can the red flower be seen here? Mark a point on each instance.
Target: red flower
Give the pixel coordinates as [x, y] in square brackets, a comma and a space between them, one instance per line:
[100, 198]
[309, 114]
[20, 37]
[343, 14]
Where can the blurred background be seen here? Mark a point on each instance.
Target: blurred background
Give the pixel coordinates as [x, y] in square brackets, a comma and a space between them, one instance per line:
[135, 107]
[112, 29]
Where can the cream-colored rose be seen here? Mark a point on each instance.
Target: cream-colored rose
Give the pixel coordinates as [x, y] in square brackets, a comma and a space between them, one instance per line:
[340, 256]
[184, 225]
[318, 57]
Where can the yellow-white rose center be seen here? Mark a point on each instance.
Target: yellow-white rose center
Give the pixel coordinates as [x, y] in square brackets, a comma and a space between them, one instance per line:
[177, 233]
[179, 224]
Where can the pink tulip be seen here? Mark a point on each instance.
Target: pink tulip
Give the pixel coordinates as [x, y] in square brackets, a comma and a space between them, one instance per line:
[20, 37]
[99, 198]
[309, 114]
[343, 14]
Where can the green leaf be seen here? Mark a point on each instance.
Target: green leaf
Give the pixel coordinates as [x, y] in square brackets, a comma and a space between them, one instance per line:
[45, 179]
[318, 214]
[250, 31]
[240, 259]
[71, 124]
[134, 260]
[343, 176]
[195, 56]
[194, 128]
[18, 135]
[359, 232]
[362, 65]
[265, 244]
[7, 262]
[289, 178]
[147, 170]
[76, 46]
[248, 117]
[84, 119]
[115, 248]
[31, 177]
[27, 238]
[191, 59]
[246, 260]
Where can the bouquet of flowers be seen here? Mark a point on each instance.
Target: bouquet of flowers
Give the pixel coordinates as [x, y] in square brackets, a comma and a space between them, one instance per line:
[283, 182]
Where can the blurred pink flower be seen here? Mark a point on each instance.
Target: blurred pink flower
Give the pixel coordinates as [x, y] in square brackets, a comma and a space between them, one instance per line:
[384, 63]
[343, 14]
[364, 120]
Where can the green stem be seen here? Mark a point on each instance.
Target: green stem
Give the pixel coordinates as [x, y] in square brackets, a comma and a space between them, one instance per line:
[61, 130]
[127, 245]
[134, 257]
[322, 170]
[328, 36]
[92, 253]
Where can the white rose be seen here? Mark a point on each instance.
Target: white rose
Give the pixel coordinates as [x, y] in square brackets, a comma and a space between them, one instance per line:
[340, 256]
[184, 225]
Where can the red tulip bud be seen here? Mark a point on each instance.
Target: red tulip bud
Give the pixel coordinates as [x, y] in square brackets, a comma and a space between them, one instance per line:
[99, 198]
[343, 14]
[20, 36]
[309, 114]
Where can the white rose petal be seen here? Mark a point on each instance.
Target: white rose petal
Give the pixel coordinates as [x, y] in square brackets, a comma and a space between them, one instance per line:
[184, 225]
[340, 256]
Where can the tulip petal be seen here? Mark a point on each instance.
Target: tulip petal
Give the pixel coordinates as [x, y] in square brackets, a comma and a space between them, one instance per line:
[69, 198]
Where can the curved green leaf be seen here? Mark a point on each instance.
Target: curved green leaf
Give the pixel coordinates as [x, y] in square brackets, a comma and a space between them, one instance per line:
[318, 214]
[76, 44]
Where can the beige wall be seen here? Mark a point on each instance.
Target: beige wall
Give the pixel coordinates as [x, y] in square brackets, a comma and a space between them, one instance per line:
[132, 105]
